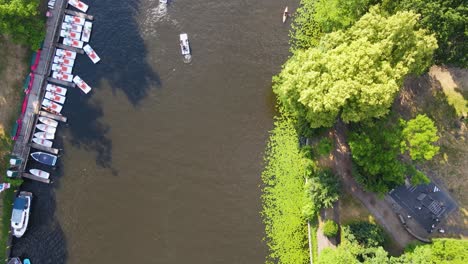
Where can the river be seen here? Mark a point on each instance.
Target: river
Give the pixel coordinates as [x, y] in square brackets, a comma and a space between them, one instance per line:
[162, 161]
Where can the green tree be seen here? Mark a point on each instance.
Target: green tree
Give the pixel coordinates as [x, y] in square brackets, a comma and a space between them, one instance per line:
[283, 195]
[364, 233]
[354, 74]
[322, 190]
[453, 251]
[419, 136]
[334, 15]
[330, 228]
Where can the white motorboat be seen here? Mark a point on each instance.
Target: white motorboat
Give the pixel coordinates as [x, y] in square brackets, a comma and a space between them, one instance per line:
[48, 121]
[20, 214]
[46, 128]
[87, 31]
[40, 173]
[43, 142]
[78, 5]
[91, 54]
[65, 53]
[44, 135]
[49, 105]
[74, 20]
[62, 76]
[72, 27]
[55, 97]
[61, 68]
[81, 84]
[64, 61]
[73, 43]
[184, 44]
[163, 1]
[285, 14]
[65, 33]
[56, 89]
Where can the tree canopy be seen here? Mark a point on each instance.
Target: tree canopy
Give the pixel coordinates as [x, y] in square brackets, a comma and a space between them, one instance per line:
[419, 136]
[354, 74]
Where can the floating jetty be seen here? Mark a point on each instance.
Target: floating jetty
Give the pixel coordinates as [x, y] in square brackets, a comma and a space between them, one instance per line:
[35, 178]
[66, 47]
[63, 83]
[79, 14]
[60, 118]
[43, 148]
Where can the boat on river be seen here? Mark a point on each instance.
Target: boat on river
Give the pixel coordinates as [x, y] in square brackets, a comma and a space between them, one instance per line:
[20, 214]
[73, 43]
[184, 44]
[65, 33]
[163, 1]
[40, 173]
[46, 128]
[91, 54]
[44, 135]
[88, 26]
[285, 14]
[65, 53]
[48, 104]
[74, 20]
[26, 261]
[81, 84]
[64, 61]
[43, 142]
[62, 76]
[56, 89]
[44, 158]
[78, 5]
[15, 261]
[48, 121]
[55, 97]
[72, 27]
[62, 68]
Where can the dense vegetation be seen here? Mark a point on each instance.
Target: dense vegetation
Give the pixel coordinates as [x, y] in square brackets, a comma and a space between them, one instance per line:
[330, 228]
[20, 19]
[364, 233]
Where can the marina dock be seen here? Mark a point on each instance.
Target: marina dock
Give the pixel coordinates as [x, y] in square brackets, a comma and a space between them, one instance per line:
[35, 178]
[66, 47]
[60, 82]
[79, 14]
[46, 149]
[60, 118]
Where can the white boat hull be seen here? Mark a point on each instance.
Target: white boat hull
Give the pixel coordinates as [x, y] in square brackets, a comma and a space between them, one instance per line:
[64, 61]
[55, 97]
[62, 76]
[20, 228]
[79, 5]
[40, 173]
[184, 44]
[43, 142]
[44, 135]
[64, 33]
[72, 27]
[46, 128]
[56, 89]
[51, 106]
[65, 53]
[74, 20]
[285, 14]
[88, 26]
[91, 54]
[62, 68]
[48, 121]
[81, 84]
[73, 43]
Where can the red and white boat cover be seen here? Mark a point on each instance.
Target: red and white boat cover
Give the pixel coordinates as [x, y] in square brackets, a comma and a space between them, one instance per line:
[78, 5]
[91, 53]
[65, 53]
[88, 26]
[55, 97]
[62, 76]
[49, 105]
[74, 20]
[64, 61]
[65, 33]
[72, 27]
[73, 43]
[56, 89]
[81, 84]
[61, 68]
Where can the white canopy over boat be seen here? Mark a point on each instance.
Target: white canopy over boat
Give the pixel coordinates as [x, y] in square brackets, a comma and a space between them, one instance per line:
[65, 33]
[88, 26]
[49, 105]
[56, 89]
[55, 97]
[43, 142]
[81, 84]
[79, 5]
[61, 68]
[74, 20]
[91, 54]
[73, 43]
[64, 61]
[48, 121]
[44, 135]
[184, 44]
[46, 128]
[62, 76]
[65, 53]
[72, 27]
[40, 173]
[20, 214]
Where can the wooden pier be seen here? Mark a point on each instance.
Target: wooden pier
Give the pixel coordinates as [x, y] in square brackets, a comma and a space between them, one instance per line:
[66, 47]
[79, 14]
[60, 82]
[43, 148]
[60, 118]
[35, 178]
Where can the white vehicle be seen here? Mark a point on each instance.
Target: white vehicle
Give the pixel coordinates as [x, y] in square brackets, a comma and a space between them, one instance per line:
[49, 105]
[91, 54]
[88, 26]
[56, 89]
[43, 142]
[40, 173]
[81, 84]
[73, 43]
[66, 53]
[20, 214]
[55, 97]
[64, 61]
[46, 128]
[78, 5]
[65, 33]
[62, 76]
[62, 68]
[72, 27]
[74, 20]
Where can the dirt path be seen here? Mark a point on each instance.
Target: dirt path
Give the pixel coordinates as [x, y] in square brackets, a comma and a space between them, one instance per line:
[379, 208]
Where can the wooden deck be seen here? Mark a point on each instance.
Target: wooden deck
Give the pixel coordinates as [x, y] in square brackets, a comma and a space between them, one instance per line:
[79, 14]
[60, 118]
[43, 148]
[60, 82]
[66, 47]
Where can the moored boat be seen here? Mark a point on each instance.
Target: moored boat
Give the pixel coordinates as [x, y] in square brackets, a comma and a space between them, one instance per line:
[43, 142]
[62, 68]
[65, 53]
[74, 20]
[87, 31]
[64, 61]
[26, 261]
[14, 261]
[79, 5]
[62, 76]
[40, 173]
[285, 14]
[44, 158]
[20, 214]
[51, 105]
[91, 54]
[44, 135]
[73, 27]
[65, 33]
[46, 128]
[48, 121]
[55, 97]
[56, 89]
[81, 84]
[73, 43]
[184, 44]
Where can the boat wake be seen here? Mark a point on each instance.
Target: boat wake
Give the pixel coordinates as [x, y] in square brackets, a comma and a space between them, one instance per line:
[154, 15]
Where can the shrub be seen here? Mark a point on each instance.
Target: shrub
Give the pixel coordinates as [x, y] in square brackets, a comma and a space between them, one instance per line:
[330, 228]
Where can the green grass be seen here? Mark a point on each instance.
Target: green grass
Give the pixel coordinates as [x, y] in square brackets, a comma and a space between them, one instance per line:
[8, 198]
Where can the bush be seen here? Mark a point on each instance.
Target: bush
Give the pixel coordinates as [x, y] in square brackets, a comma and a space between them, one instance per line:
[364, 233]
[325, 146]
[330, 228]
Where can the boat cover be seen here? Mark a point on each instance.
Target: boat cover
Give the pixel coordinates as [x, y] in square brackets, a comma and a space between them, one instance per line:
[44, 158]
[18, 208]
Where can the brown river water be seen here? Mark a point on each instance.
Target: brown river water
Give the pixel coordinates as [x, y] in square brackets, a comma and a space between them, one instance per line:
[162, 161]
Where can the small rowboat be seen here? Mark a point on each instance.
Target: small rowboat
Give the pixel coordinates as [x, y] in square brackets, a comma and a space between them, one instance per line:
[91, 54]
[51, 105]
[40, 173]
[44, 135]
[64, 61]
[74, 20]
[43, 142]
[66, 53]
[86, 31]
[56, 89]
[285, 14]
[65, 33]
[62, 68]
[26, 261]
[78, 5]
[62, 76]
[72, 27]
[14, 261]
[48, 121]
[81, 84]
[184, 44]
[44, 158]
[73, 43]
[55, 97]
[46, 128]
